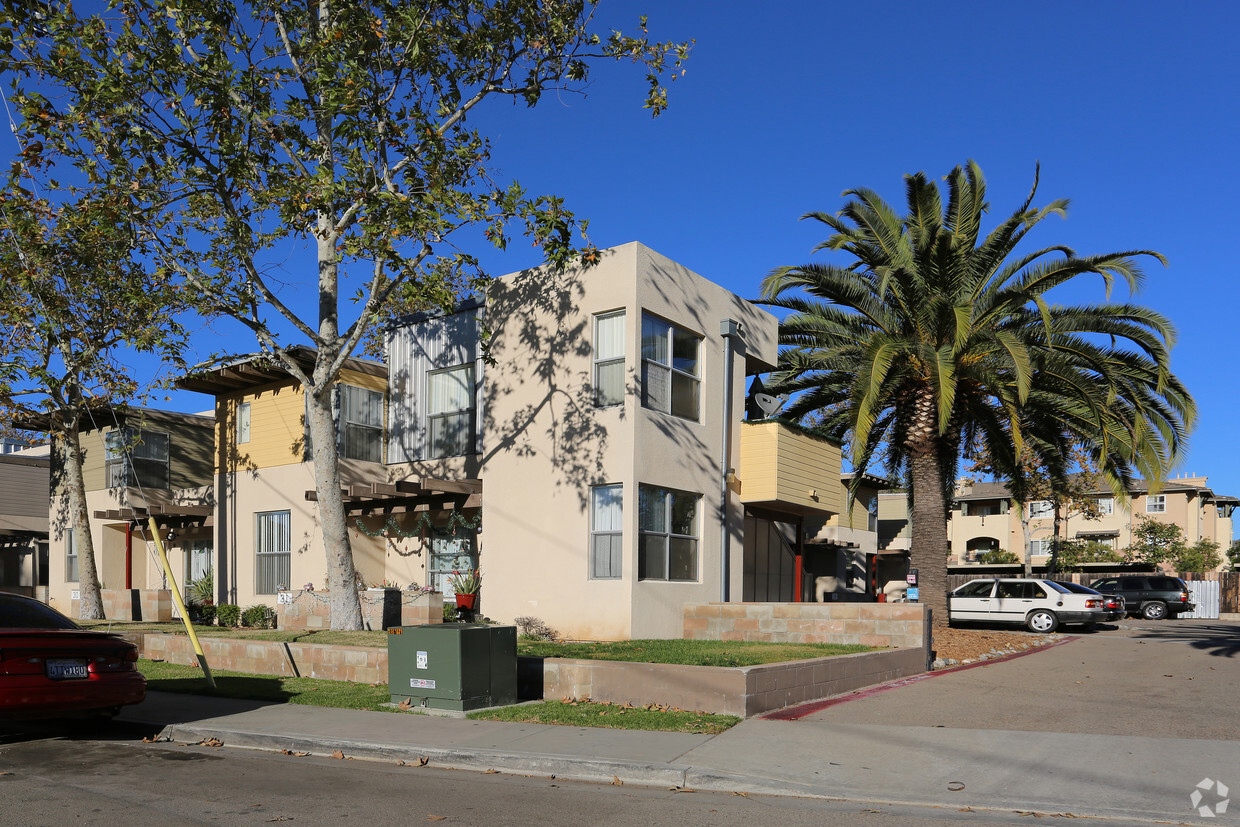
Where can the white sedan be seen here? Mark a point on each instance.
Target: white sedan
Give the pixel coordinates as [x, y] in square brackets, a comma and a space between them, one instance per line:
[1038, 605]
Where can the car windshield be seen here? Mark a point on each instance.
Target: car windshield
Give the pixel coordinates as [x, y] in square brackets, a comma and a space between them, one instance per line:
[23, 613]
[1075, 587]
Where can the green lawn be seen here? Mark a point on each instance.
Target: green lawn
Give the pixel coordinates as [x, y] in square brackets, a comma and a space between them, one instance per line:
[611, 716]
[169, 677]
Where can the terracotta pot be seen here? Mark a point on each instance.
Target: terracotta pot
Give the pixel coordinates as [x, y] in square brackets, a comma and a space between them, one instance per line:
[466, 601]
[882, 598]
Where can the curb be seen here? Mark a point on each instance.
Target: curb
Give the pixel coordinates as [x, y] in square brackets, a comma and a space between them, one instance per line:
[556, 766]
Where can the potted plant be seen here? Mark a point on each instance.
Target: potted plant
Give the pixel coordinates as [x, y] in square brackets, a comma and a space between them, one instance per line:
[466, 585]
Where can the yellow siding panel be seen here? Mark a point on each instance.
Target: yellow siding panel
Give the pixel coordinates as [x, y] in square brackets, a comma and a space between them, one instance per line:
[780, 464]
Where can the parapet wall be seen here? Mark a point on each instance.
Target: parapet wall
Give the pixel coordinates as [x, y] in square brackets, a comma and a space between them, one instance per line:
[891, 625]
[381, 608]
[131, 604]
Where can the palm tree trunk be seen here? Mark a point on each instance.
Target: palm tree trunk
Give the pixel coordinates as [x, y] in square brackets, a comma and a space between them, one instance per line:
[929, 553]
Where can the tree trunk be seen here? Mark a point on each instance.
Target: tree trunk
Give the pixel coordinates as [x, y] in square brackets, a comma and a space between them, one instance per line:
[346, 608]
[1026, 541]
[929, 529]
[1052, 564]
[90, 602]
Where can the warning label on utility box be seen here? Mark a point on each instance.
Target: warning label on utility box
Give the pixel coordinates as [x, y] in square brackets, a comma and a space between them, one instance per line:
[421, 683]
[421, 660]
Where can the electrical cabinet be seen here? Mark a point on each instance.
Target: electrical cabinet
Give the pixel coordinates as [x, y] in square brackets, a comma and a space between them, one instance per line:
[458, 666]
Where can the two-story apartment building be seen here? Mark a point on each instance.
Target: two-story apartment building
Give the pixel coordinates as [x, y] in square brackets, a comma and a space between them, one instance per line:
[137, 463]
[24, 474]
[587, 454]
[983, 520]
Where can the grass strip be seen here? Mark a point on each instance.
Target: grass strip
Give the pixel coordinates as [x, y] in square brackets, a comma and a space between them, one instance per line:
[611, 716]
[689, 652]
[171, 677]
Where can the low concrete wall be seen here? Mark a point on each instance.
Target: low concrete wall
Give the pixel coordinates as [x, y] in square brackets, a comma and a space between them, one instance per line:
[381, 608]
[743, 691]
[132, 604]
[894, 625]
[264, 657]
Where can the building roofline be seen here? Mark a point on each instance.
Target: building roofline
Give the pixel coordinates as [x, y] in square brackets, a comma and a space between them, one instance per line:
[262, 369]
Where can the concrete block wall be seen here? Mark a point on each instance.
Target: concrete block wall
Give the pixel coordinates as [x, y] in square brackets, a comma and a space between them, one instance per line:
[892, 625]
[263, 657]
[131, 604]
[381, 608]
[743, 691]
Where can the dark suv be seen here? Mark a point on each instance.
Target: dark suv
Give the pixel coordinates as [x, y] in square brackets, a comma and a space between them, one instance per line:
[1152, 596]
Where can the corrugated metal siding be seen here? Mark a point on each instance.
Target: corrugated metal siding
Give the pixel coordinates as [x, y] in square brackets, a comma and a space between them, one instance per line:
[1206, 595]
[412, 351]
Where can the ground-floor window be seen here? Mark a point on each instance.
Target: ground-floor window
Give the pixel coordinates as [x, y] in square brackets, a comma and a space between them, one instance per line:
[668, 527]
[272, 551]
[71, 557]
[606, 531]
[450, 553]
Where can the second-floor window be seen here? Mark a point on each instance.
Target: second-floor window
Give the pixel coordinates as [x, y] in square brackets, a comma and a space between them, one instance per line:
[243, 423]
[609, 359]
[1039, 508]
[1156, 504]
[670, 369]
[1106, 505]
[361, 423]
[450, 411]
[135, 456]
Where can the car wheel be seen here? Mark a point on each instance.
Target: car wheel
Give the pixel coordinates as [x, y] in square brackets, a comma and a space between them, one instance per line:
[1042, 621]
[1154, 611]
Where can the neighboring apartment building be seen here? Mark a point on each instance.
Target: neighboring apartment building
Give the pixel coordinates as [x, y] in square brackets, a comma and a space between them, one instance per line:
[137, 463]
[982, 519]
[589, 457]
[24, 478]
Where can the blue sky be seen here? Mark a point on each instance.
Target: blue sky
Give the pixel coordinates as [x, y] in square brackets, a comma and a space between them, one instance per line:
[1131, 108]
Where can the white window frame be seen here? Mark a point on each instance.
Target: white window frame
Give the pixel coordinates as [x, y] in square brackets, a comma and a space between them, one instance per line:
[606, 360]
[1040, 508]
[243, 423]
[72, 573]
[670, 381]
[1106, 505]
[657, 507]
[352, 423]
[1041, 547]
[607, 528]
[467, 444]
[1155, 503]
[273, 551]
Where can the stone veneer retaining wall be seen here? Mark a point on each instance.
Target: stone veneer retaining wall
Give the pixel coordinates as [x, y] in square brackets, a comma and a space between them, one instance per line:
[132, 604]
[381, 608]
[264, 657]
[895, 625]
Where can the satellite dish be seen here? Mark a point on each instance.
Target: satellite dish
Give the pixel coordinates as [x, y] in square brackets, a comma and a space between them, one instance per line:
[770, 405]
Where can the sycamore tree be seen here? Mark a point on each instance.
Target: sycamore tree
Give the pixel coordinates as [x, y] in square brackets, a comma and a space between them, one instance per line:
[350, 131]
[75, 304]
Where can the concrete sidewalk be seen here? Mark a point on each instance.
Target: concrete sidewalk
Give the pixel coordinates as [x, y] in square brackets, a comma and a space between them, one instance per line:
[1128, 779]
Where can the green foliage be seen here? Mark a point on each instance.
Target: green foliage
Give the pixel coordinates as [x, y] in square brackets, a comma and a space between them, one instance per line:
[1072, 554]
[202, 590]
[465, 582]
[201, 613]
[449, 613]
[260, 616]
[228, 614]
[689, 652]
[997, 556]
[171, 677]
[571, 712]
[931, 339]
[1154, 542]
[1202, 555]
[1233, 555]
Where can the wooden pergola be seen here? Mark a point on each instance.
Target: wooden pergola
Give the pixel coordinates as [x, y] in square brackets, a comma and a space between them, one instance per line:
[409, 496]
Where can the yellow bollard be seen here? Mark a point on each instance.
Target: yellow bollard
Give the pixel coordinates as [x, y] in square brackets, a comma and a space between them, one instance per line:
[176, 595]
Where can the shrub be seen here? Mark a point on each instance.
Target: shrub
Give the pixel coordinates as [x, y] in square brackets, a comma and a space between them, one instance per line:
[533, 628]
[261, 616]
[202, 613]
[202, 590]
[449, 613]
[228, 614]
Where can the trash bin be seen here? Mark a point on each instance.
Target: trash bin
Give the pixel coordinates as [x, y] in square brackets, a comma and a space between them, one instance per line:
[458, 666]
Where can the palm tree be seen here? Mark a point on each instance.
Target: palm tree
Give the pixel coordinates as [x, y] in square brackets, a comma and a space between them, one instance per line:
[935, 340]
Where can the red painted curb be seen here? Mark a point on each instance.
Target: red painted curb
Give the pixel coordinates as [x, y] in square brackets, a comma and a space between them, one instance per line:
[793, 713]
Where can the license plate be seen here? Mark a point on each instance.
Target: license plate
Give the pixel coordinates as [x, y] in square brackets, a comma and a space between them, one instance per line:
[59, 670]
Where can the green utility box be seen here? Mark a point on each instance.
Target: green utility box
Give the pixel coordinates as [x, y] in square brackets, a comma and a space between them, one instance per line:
[460, 666]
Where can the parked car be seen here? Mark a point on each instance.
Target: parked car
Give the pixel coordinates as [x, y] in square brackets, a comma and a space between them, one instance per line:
[1152, 596]
[1038, 605]
[50, 667]
[1113, 603]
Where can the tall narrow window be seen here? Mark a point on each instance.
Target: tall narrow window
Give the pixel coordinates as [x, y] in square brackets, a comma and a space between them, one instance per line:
[668, 534]
[135, 456]
[609, 359]
[606, 531]
[670, 368]
[361, 424]
[450, 411]
[71, 556]
[272, 551]
[243, 423]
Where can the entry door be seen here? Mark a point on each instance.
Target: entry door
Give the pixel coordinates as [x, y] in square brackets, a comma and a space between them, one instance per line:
[450, 554]
[769, 563]
[198, 561]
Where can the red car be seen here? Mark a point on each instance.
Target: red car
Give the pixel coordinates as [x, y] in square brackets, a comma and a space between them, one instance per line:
[51, 668]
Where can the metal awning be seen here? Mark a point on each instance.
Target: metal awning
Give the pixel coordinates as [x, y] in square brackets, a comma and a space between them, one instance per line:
[424, 494]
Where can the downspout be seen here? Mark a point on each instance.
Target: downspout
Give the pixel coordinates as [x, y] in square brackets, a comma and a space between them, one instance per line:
[728, 328]
[128, 556]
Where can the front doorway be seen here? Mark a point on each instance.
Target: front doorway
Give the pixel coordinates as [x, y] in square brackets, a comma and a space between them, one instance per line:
[450, 553]
[770, 560]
